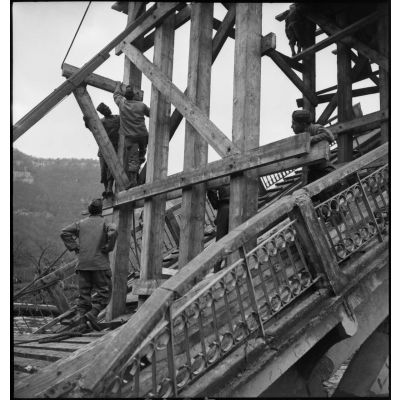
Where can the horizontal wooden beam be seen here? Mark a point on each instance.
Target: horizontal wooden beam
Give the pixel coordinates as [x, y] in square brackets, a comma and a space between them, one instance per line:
[324, 98]
[206, 128]
[349, 30]
[268, 43]
[142, 24]
[162, 11]
[285, 68]
[293, 146]
[95, 80]
[364, 123]
[319, 151]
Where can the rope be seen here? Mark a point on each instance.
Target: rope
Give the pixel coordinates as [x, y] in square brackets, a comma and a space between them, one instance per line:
[84, 15]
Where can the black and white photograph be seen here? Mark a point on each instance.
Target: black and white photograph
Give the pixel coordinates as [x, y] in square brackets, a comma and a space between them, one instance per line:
[200, 199]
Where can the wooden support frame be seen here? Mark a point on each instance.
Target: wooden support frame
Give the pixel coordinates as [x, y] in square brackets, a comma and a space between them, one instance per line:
[157, 168]
[206, 128]
[275, 152]
[348, 30]
[331, 28]
[140, 26]
[196, 148]
[217, 43]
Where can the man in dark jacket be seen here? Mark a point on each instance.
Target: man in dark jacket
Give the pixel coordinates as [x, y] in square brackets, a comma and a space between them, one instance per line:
[92, 238]
[111, 126]
[132, 112]
[301, 122]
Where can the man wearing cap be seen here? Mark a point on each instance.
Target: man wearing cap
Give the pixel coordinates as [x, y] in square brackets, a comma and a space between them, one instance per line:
[111, 126]
[132, 112]
[92, 238]
[301, 122]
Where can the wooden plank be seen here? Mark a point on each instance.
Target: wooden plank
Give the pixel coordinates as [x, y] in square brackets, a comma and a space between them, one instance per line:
[293, 64]
[140, 26]
[95, 80]
[101, 137]
[331, 28]
[29, 365]
[157, 158]
[293, 146]
[196, 148]
[217, 43]
[344, 95]
[162, 11]
[246, 107]
[285, 68]
[186, 107]
[39, 354]
[59, 346]
[348, 30]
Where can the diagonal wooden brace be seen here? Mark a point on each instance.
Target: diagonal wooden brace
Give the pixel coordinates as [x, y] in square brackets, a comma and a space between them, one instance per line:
[206, 128]
[101, 137]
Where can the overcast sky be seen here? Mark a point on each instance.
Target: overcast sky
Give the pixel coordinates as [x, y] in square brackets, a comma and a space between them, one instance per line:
[42, 32]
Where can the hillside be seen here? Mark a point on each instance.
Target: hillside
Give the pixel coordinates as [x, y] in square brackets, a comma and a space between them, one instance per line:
[47, 195]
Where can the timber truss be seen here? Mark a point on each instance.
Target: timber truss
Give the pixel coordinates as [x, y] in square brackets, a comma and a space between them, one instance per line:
[361, 36]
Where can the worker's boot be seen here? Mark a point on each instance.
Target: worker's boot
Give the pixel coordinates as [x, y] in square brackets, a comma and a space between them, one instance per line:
[109, 191]
[91, 321]
[133, 179]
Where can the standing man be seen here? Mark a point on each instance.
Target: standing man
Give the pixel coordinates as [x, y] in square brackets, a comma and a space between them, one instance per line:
[92, 238]
[301, 122]
[132, 112]
[111, 126]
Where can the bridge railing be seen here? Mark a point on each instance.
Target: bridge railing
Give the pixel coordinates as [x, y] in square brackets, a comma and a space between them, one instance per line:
[358, 214]
[170, 342]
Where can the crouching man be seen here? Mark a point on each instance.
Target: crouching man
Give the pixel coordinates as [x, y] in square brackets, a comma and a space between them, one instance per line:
[92, 238]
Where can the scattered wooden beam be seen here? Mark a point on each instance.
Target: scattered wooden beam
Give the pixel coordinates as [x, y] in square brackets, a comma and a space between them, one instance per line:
[138, 27]
[187, 108]
[348, 30]
[271, 153]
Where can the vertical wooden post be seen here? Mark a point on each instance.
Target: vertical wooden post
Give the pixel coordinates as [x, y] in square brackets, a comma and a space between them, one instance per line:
[345, 107]
[123, 217]
[309, 80]
[196, 148]
[246, 107]
[157, 158]
[315, 243]
[383, 40]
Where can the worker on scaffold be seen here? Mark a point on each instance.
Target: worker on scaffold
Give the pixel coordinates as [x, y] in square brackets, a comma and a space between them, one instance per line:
[111, 125]
[92, 239]
[132, 112]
